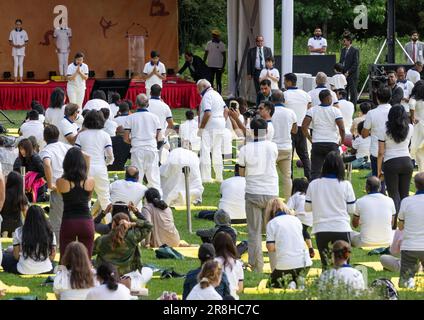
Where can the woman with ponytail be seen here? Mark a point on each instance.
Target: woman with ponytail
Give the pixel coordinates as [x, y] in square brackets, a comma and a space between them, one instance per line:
[121, 246]
[394, 163]
[209, 278]
[157, 212]
[110, 288]
[342, 273]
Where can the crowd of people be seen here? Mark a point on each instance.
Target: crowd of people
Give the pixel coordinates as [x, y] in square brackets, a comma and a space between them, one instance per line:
[65, 154]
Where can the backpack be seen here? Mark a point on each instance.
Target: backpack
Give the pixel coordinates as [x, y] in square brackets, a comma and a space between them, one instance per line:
[390, 292]
[166, 252]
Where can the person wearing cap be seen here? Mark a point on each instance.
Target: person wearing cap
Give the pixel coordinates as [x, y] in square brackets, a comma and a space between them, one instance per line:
[342, 273]
[206, 253]
[154, 72]
[215, 57]
[222, 224]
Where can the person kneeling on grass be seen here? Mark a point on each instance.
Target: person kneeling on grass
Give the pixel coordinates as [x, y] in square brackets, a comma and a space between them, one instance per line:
[34, 246]
[285, 243]
[206, 253]
[76, 276]
[121, 246]
[209, 278]
[342, 273]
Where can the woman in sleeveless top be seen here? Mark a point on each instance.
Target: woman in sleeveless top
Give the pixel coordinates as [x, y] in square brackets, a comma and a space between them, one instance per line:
[76, 189]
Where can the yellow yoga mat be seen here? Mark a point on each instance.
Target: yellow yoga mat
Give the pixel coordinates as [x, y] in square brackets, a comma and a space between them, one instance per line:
[14, 289]
[262, 289]
[51, 296]
[377, 266]
[26, 82]
[36, 276]
[188, 252]
[184, 208]
[419, 284]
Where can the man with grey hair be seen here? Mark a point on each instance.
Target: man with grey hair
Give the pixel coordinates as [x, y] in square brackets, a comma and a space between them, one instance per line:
[321, 82]
[143, 132]
[411, 221]
[212, 119]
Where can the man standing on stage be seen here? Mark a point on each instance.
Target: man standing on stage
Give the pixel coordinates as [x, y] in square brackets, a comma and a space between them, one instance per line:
[317, 45]
[256, 61]
[63, 37]
[18, 39]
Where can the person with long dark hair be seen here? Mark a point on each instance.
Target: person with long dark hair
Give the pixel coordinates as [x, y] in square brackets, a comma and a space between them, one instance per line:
[331, 199]
[394, 163]
[158, 213]
[110, 288]
[226, 255]
[98, 144]
[76, 188]
[56, 110]
[75, 277]
[34, 246]
[15, 204]
[121, 245]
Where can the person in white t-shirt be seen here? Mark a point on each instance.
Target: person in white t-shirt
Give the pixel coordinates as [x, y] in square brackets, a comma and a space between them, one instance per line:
[347, 109]
[208, 279]
[284, 239]
[270, 73]
[53, 155]
[374, 213]
[343, 274]
[121, 117]
[188, 133]
[328, 131]
[98, 145]
[394, 161]
[338, 81]
[128, 190]
[411, 221]
[375, 126]
[18, 39]
[406, 86]
[98, 101]
[284, 122]
[298, 101]
[257, 163]
[110, 125]
[297, 203]
[34, 128]
[35, 258]
[317, 45]
[321, 80]
[331, 200]
[63, 37]
[362, 148]
[226, 255]
[154, 72]
[110, 288]
[56, 110]
[75, 276]
[213, 115]
[143, 132]
[232, 197]
[215, 56]
[77, 75]
[115, 99]
[414, 74]
[68, 127]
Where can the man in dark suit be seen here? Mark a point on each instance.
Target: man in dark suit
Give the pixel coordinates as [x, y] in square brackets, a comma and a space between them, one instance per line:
[256, 60]
[197, 67]
[349, 58]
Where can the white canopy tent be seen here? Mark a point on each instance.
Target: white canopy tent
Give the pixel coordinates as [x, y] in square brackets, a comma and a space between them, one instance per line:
[246, 20]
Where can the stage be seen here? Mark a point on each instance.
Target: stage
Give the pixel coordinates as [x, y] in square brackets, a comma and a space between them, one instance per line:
[176, 93]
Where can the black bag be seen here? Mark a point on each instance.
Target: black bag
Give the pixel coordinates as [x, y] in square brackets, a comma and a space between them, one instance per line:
[389, 290]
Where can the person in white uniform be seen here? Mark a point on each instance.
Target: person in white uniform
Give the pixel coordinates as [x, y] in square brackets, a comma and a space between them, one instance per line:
[129, 190]
[77, 75]
[321, 82]
[98, 144]
[213, 114]
[56, 110]
[406, 86]
[173, 179]
[33, 127]
[346, 108]
[63, 37]
[68, 127]
[232, 197]
[143, 132]
[154, 72]
[317, 45]
[53, 155]
[188, 133]
[98, 101]
[18, 39]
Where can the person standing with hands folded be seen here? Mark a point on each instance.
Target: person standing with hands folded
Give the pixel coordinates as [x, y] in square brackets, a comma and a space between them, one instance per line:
[77, 75]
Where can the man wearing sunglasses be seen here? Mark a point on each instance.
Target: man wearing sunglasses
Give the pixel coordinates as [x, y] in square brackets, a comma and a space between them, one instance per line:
[256, 61]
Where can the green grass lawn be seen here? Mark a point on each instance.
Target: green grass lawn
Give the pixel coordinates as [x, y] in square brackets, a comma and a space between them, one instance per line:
[210, 198]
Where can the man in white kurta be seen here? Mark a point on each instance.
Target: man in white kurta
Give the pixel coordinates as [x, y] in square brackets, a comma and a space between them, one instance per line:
[173, 179]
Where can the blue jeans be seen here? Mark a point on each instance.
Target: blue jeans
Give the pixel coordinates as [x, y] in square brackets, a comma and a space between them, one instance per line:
[374, 170]
[361, 163]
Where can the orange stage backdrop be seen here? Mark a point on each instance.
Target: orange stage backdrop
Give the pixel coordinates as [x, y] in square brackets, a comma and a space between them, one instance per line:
[99, 30]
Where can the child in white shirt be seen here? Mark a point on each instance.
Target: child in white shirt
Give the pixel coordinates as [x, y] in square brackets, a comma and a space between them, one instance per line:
[188, 133]
[270, 73]
[297, 203]
[338, 81]
[362, 147]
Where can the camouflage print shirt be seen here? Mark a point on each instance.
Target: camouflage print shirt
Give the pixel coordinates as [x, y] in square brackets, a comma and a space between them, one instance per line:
[126, 257]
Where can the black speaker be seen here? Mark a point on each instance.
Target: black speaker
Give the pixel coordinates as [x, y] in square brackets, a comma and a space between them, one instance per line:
[128, 74]
[110, 74]
[7, 75]
[91, 74]
[52, 74]
[30, 75]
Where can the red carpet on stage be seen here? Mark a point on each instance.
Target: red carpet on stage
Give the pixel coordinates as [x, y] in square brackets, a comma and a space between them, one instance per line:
[176, 93]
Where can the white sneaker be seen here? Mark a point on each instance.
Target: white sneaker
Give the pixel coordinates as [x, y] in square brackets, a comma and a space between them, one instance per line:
[292, 285]
[411, 283]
